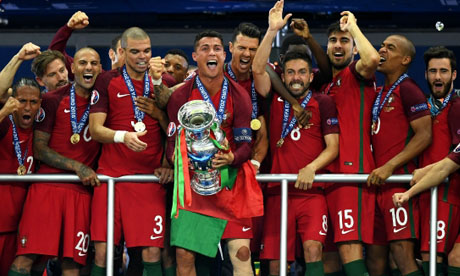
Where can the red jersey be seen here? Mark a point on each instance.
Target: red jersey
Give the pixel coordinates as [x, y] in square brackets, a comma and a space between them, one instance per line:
[393, 131]
[301, 146]
[451, 193]
[443, 133]
[12, 194]
[111, 96]
[56, 105]
[353, 97]
[455, 155]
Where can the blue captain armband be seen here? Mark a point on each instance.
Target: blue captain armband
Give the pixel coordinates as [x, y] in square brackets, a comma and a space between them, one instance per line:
[243, 134]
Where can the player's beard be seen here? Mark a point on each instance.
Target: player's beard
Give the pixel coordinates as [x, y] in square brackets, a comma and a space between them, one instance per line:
[342, 65]
[444, 92]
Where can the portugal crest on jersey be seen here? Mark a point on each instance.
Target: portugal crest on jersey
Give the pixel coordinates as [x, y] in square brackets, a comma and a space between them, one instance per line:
[94, 97]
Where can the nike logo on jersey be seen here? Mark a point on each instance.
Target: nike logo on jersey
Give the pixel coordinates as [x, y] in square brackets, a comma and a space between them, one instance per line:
[398, 230]
[347, 231]
[81, 254]
[66, 110]
[121, 95]
[280, 99]
[245, 229]
[322, 233]
[155, 238]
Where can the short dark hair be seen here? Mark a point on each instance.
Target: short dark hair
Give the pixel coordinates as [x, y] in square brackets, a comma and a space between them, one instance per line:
[178, 52]
[42, 60]
[247, 29]
[25, 82]
[291, 40]
[440, 52]
[114, 43]
[135, 33]
[334, 27]
[291, 55]
[207, 33]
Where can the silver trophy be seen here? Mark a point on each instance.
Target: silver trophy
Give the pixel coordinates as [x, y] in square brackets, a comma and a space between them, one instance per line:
[197, 118]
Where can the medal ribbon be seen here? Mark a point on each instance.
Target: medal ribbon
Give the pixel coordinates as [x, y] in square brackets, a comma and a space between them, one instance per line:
[223, 97]
[434, 109]
[17, 145]
[138, 115]
[253, 91]
[377, 107]
[182, 190]
[287, 108]
[76, 126]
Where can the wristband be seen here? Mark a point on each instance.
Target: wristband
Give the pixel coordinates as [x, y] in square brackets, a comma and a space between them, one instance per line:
[255, 163]
[158, 81]
[119, 136]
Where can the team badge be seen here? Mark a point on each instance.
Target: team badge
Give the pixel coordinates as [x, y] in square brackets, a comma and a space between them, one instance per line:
[40, 115]
[94, 97]
[457, 149]
[171, 129]
[339, 82]
[332, 121]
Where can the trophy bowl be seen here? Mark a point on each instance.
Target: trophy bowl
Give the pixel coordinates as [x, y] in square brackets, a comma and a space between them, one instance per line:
[198, 118]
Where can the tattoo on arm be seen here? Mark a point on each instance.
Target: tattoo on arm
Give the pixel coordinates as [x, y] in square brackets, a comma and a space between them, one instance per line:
[45, 154]
[162, 94]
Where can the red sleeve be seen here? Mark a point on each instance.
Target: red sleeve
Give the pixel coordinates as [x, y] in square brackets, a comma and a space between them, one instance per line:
[242, 132]
[4, 127]
[367, 82]
[168, 80]
[100, 94]
[59, 43]
[413, 100]
[328, 114]
[177, 99]
[453, 119]
[50, 104]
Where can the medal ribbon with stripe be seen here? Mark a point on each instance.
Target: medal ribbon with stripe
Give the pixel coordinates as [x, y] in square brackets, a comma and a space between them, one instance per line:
[377, 107]
[17, 145]
[223, 97]
[138, 115]
[253, 91]
[287, 108]
[76, 126]
[434, 109]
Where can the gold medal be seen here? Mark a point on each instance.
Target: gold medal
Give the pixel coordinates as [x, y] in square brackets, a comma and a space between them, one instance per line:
[280, 142]
[75, 138]
[139, 126]
[255, 124]
[21, 170]
[374, 127]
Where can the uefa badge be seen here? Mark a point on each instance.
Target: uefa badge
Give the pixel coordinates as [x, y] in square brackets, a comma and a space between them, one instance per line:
[171, 129]
[40, 115]
[94, 97]
[457, 149]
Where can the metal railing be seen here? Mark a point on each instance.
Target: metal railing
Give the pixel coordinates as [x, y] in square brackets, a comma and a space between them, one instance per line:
[282, 178]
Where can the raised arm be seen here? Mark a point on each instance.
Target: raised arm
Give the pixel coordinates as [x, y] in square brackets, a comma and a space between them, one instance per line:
[369, 57]
[79, 20]
[47, 155]
[27, 52]
[275, 23]
[260, 148]
[300, 28]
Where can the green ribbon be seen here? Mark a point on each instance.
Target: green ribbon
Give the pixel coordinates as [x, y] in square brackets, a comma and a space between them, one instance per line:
[178, 176]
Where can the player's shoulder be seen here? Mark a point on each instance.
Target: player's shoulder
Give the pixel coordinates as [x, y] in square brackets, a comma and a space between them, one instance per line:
[410, 85]
[57, 94]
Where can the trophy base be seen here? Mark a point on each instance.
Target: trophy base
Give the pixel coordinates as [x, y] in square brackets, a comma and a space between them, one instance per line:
[206, 183]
